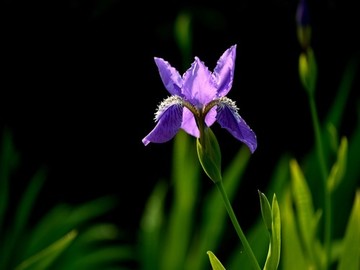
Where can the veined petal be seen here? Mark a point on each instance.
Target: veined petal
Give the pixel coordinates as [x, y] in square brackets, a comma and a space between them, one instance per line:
[169, 118]
[189, 123]
[210, 117]
[229, 118]
[170, 77]
[198, 85]
[223, 74]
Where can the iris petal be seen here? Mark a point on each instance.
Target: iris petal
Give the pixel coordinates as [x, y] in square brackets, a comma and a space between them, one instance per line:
[229, 118]
[169, 123]
[170, 77]
[198, 87]
[223, 73]
[189, 123]
[210, 117]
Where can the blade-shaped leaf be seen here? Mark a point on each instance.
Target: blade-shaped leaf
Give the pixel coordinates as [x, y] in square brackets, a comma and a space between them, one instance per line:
[338, 170]
[350, 255]
[24, 210]
[47, 256]
[185, 178]
[266, 211]
[273, 257]
[151, 228]
[292, 253]
[215, 262]
[304, 207]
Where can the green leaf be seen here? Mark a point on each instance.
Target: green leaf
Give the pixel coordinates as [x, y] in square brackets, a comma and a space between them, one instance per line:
[293, 256]
[185, 180]
[101, 258]
[63, 218]
[338, 169]
[350, 255]
[24, 209]
[307, 219]
[47, 256]
[183, 35]
[276, 233]
[215, 262]
[273, 257]
[266, 211]
[151, 228]
[257, 235]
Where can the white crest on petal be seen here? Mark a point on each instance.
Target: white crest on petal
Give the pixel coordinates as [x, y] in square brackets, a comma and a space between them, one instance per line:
[227, 102]
[166, 103]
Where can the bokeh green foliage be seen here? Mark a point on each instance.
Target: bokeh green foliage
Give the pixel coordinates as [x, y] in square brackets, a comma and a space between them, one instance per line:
[66, 237]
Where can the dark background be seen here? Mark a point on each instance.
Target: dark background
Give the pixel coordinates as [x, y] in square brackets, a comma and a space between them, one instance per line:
[80, 88]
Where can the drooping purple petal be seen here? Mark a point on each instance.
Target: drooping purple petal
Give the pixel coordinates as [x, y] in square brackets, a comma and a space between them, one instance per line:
[169, 122]
[170, 77]
[189, 123]
[198, 86]
[229, 118]
[223, 74]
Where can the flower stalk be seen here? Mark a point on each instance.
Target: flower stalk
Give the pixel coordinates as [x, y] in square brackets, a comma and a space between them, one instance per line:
[239, 231]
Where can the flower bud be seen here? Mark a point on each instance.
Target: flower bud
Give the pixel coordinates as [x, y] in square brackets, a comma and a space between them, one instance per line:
[308, 70]
[209, 154]
[303, 24]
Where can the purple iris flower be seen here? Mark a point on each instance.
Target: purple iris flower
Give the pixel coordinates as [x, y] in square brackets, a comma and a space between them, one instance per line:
[198, 99]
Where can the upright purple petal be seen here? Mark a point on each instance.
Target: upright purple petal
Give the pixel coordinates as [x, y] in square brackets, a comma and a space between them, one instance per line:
[223, 74]
[198, 87]
[170, 76]
[229, 118]
[169, 123]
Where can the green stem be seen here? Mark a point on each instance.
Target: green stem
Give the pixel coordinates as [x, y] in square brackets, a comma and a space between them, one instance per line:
[236, 224]
[327, 195]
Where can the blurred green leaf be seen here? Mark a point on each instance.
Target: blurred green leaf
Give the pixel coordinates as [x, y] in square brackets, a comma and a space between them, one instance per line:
[333, 137]
[47, 256]
[101, 257]
[215, 262]
[350, 255]
[306, 217]
[185, 180]
[292, 256]
[183, 35]
[334, 118]
[21, 217]
[62, 218]
[151, 228]
[338, 169]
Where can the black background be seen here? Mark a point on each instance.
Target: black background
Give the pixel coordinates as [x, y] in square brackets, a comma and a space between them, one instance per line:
[80, 89]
